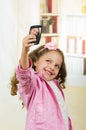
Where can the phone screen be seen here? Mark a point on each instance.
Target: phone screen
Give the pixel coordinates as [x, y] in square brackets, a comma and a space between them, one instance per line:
[36, 30]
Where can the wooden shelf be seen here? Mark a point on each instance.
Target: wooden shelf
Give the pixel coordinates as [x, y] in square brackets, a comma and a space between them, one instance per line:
[48, 14]
[50, 35]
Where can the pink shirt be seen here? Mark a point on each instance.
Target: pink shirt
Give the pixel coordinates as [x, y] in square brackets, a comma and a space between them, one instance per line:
[43, 111]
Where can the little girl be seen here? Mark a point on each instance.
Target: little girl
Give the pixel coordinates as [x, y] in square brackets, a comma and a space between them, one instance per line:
[38, 80]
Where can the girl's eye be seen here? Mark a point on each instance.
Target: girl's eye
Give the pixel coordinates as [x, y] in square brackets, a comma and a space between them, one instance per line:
[57, 66]
[48, 61]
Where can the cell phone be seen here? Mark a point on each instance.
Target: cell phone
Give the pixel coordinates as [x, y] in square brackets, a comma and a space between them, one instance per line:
[37, 31]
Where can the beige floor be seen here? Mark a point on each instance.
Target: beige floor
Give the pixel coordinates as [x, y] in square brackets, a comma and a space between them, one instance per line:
[76, 102]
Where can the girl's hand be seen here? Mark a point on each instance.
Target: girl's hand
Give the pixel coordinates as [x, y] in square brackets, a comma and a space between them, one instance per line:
[27, 42]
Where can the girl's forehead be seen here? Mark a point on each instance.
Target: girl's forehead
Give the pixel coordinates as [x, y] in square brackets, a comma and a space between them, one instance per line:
[52, 52]
[52, 55]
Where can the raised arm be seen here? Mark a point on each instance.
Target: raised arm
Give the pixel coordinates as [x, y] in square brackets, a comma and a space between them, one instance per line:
[26, 44]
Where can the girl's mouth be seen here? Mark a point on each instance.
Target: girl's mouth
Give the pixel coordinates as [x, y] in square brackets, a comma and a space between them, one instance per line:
[48, 72]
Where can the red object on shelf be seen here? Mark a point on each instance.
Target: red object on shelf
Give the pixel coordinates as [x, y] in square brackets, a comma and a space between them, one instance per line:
[83, 46]
[48, 39]
[49, 3]
[55, 24]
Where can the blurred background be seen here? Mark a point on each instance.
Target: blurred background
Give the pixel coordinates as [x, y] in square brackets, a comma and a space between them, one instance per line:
[63, 22]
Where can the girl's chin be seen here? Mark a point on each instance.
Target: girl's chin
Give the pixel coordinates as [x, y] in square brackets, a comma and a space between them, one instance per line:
[47, 78]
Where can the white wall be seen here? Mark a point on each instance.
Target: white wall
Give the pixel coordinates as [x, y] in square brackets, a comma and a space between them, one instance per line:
[28, 14]
[15, 19]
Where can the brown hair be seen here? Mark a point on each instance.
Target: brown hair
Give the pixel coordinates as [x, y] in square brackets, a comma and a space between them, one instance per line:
[35, 55]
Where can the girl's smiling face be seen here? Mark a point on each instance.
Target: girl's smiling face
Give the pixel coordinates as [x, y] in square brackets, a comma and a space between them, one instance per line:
[49, 64]
[34, 31]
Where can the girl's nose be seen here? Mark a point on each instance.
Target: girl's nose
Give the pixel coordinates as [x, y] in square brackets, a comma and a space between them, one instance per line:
[52, 66]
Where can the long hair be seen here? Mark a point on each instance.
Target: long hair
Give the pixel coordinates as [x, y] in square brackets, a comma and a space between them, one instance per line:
[34, 56]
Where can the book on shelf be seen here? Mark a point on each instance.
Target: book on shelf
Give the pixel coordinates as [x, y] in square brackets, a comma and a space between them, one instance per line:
[55, 27]
[84, 46]
[81, 46]
[54, 6]
[43, 6]
[76, 45]
[71, 44]
[83, 9]
[49, 4]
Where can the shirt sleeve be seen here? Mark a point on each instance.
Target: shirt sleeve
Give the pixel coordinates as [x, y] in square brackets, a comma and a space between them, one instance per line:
[25, 88]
